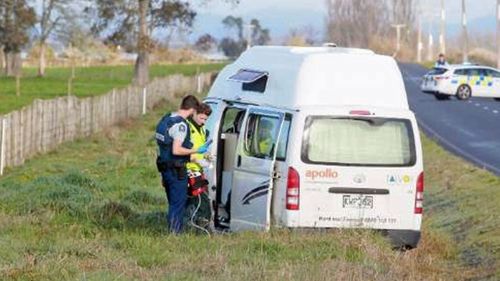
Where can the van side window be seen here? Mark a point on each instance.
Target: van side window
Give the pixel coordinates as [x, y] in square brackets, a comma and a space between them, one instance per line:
[260, 135]
[460, 72]
[233, 119]
[258, 85]
[283, 140]
[212, 119]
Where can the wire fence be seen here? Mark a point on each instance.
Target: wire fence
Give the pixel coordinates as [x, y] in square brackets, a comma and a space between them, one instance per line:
[45, 124]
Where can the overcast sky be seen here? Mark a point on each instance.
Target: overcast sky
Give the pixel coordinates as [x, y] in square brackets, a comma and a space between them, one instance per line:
[281, 16]
[475, 8]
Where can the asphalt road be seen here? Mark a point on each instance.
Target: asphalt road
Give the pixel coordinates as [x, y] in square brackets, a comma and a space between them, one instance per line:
[470, 129]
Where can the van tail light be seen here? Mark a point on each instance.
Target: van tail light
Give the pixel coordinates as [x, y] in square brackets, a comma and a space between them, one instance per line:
[419, 196]
[292, 189]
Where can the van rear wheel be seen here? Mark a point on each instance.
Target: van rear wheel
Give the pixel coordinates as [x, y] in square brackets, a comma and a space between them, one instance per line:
[463, 92]
[497, 99]
[403, 239]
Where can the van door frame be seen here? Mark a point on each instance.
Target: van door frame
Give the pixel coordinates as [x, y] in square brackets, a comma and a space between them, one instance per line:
[214, 173]
[217, 110]
[253, 178]
[219, 166]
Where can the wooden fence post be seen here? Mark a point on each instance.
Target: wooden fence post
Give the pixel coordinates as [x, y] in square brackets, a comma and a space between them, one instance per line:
[198, 76]
[2, 145]
[116, 107]
[70, 85]
[47, 123]
[144, 94]
[18, 85]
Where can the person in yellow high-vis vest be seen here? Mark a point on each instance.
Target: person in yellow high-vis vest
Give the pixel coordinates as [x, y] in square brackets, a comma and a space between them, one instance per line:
[198, 206]
[199, 135]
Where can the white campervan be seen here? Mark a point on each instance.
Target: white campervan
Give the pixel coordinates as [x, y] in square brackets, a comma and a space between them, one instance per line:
[316, 137]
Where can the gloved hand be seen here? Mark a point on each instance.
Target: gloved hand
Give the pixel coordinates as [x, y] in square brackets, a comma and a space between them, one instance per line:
[208, 157]
[204, 148]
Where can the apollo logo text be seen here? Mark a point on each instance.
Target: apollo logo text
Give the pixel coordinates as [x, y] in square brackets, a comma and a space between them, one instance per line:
[321, 174]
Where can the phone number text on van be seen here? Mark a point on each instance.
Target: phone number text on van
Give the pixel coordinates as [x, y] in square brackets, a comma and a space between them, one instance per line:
[370, 220]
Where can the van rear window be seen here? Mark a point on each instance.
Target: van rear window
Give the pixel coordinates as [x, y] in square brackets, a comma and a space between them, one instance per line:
[358, 141]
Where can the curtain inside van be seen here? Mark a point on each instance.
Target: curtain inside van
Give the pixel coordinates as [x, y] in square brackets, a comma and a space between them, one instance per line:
[366, 141]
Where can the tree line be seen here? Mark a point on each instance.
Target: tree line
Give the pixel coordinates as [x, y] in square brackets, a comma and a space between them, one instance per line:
[131, 25]
[367, 23]
[126, 23]
[232, 46]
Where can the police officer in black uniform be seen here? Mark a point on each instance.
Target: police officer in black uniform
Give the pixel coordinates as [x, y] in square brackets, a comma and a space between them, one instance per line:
[441, 61]
[175, 148]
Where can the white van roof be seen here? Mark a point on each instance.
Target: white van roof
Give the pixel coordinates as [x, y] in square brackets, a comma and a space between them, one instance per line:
[304, 76]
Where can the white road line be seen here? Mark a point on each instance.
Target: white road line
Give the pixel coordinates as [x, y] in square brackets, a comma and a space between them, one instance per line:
[469, 101]
[469, 157]
[485, 108]
[477, 104]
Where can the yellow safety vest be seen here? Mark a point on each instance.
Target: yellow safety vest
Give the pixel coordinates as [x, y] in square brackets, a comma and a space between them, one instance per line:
[265, 146]
[198, 138]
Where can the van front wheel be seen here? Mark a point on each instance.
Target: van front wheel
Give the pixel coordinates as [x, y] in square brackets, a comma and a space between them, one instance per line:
[464, 92]
[497, 99]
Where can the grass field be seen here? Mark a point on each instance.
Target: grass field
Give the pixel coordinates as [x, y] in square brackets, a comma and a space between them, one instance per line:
[465, 201]
[94, 210]
[89, 81]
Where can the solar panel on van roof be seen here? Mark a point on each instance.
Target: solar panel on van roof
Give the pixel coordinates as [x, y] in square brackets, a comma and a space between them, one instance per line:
[247, 75]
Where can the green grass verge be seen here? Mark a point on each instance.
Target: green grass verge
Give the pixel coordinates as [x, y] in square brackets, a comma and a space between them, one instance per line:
[89, 81]
[94, 210]
[464, 200]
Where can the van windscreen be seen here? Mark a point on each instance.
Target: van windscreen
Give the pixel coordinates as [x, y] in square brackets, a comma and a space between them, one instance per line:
[365, 141]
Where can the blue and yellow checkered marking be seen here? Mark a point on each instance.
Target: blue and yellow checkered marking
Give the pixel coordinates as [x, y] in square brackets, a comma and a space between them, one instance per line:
[474, 81]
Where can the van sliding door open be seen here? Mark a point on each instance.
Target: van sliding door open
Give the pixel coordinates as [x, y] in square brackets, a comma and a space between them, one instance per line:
[253, 169]
[212, 126]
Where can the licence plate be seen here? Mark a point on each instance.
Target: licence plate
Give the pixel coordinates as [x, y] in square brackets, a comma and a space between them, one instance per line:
[357, 201]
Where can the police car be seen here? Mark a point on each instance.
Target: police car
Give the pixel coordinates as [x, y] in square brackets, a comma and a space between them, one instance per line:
[462, 81]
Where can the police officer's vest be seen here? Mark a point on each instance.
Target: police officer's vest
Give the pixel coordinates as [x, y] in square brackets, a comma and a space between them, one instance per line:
[165, 141]
[198, 138]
